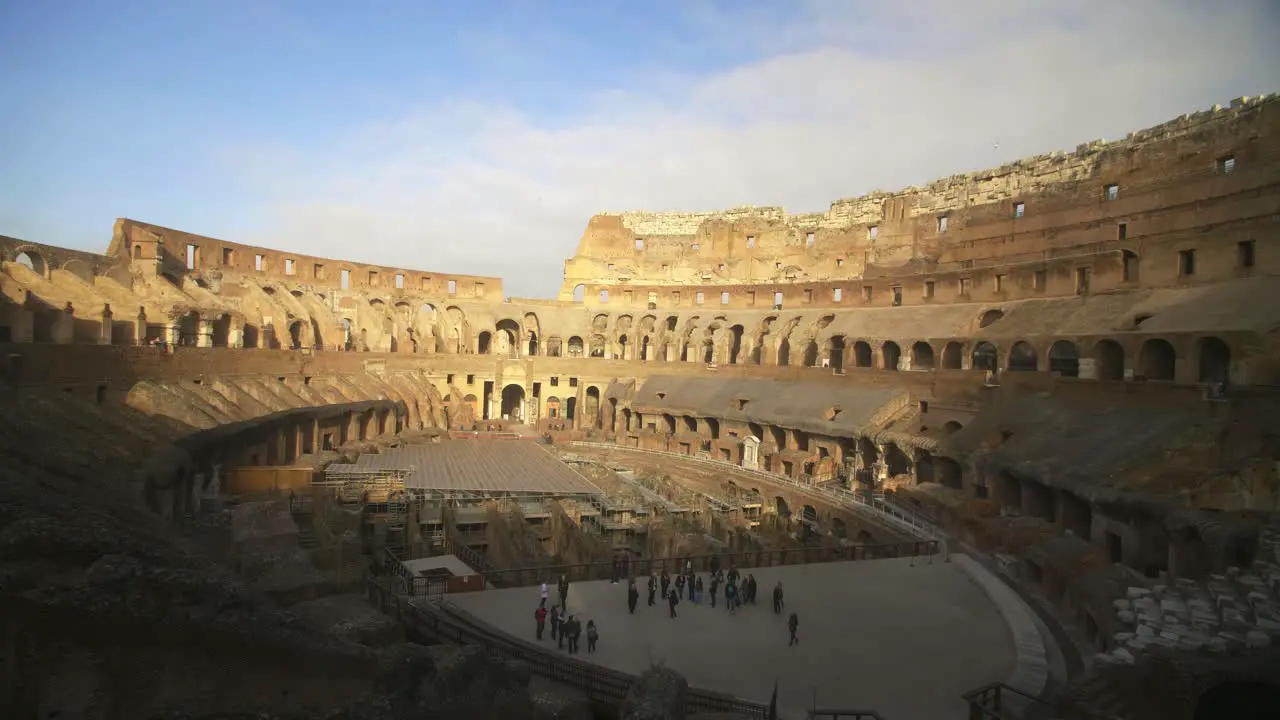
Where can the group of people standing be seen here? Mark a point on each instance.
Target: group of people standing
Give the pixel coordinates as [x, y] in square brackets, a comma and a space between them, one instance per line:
[687, 585]
[565, 630]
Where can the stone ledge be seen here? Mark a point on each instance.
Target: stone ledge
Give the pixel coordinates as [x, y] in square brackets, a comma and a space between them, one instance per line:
[1031, 671]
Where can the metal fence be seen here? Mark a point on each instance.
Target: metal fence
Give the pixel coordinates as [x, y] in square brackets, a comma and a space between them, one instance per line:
[601, 685]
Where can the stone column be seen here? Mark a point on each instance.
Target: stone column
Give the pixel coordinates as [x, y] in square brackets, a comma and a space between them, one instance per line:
[172, 333]
[1088, 369]
[204, 337]
[104, 332]
[751, 453]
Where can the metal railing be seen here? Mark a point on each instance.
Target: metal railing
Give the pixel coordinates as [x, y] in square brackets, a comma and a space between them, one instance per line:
[601, 685]
[843, 714]
[895, 515]
[581, 572]
[998, 701]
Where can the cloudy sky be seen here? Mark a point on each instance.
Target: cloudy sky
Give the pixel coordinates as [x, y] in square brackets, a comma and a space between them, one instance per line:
[479, 137]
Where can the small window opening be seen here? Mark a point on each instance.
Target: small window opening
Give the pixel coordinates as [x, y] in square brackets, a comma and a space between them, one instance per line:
[259, 262]
[639, 243]
[399, 282]
[897, 295]
[471, 379]
[604, 296]
[698, 297]
[809, 239]
[1227, 165]
[1186, 263]
[1122, 231]
[288, 266]
[191, 257]
[928, 289]
[453, 287]
[346, 280]
[966, 286]
[1000, 282]
[1111, 191]
[867, 291]
[228, 256]
[1019, 209]
[751, 241]
[837, 294]
[1083, 276]
[1039, 279]
[873, 232]
[943, 222]
[724, 298]
[1245, 253]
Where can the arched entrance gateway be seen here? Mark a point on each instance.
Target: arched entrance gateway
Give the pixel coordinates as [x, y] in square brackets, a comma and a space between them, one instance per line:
[513, 402]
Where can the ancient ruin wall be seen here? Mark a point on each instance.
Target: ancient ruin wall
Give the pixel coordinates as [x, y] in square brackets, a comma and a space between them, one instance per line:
[1055, 192]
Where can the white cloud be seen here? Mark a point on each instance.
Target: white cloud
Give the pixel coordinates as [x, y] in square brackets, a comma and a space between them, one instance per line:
[846, 97]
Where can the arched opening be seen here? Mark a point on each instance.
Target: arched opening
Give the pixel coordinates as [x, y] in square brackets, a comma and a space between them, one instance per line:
[295, 335]
[735, 343]
[950, 427]
[189, 329]
[1189, 555]
[708, 351]
[33, 261]
[784, 351]
[484, 342]
[507, 337]
[890, 355]
[690, 423]
[1215, 360]
[784, 510]
[1064, 359]
[553, 407]
[137, 252]
[669, 423]
[985, 357]
[810, 515]
[596, 349]
[575, 346]
[1130, 267]
[579, 293]
[610, 421]
[1108, 360]
[949, 473]
[249, 336]
[592, 406]
[839, 528]
[921, 356]
[837, 353]
[532, 347]
[811, 354]
[1022, 357]
[571, 409]
[779, 436]
[1157, 360]
[348, 341]
[864, 538]
[896, 460]
[221, 331]
[924, 467]
[1239, 701]
[990, 318]
[861, 354]
[953, 356]
[513, 402]
[713, 427]
[644, 348]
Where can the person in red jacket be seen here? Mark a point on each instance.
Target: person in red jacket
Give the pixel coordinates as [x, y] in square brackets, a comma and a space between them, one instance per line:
[541, 616]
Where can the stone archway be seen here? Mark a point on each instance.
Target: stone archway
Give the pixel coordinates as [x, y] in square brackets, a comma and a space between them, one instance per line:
[1022, 357]
[837, 353]
[1214, 360]
[1157, 360]
[513, 402]
[921, 356]
[1064, 359]
[890, 355]
[1108, 360]
[985, 357]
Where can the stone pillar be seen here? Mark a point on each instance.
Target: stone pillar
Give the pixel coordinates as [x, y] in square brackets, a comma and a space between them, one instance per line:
[64, 326]
[235, 336]
[494, 407]
[140, 330]
[104, 332]
[1088, 369]
[751, 452]
[204, 337]
[171, 334]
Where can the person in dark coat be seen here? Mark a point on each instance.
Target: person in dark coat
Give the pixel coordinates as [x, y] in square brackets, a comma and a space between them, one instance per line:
[674, 599]
[715, 588]
[540, 616]
[653, 588]
[572, 629]
[777, 599]
[792, 623]
[633, 597]
[666, 583]
[592, 636]
[715, 564]
[731, 597]
[680, 582]
[555, 622]
[697, 591]
[751, 589]
[564, 591]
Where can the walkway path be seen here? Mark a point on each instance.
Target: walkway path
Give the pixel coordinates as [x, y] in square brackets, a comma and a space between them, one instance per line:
[903, 641]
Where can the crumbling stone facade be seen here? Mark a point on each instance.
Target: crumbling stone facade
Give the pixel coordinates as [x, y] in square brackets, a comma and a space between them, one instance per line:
[1068, 360]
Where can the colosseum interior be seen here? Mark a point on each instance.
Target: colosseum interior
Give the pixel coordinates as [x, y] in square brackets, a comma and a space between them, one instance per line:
[238, 481]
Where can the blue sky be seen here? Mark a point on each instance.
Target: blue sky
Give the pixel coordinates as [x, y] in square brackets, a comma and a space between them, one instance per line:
[479, 137]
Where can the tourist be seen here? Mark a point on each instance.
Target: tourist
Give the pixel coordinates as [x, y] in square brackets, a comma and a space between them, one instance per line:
[541, 616]
[751, 589]
[592, 636]
[697, 592]
[734, 574]
[564, 631]
[617, 567]
[542, 593]
[715, 564]
[564, 591]
[633, 597]
[731, 597]
[715, 587]
[574, 634]
[680, 583]
[555, 622]
[792, 623]
[777, 599]
[674, 599]
[653, 588]
[666, 582]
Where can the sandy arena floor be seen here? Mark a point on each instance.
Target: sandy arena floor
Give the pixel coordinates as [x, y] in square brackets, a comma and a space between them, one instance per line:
[880, 635]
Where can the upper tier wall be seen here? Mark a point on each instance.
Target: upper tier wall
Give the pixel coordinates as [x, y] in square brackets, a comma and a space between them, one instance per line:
[175, 253]
[1018, 211]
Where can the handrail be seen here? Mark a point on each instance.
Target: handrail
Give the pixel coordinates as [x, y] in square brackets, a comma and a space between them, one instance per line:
[900, 519]
[600, 684]
[843, 714]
